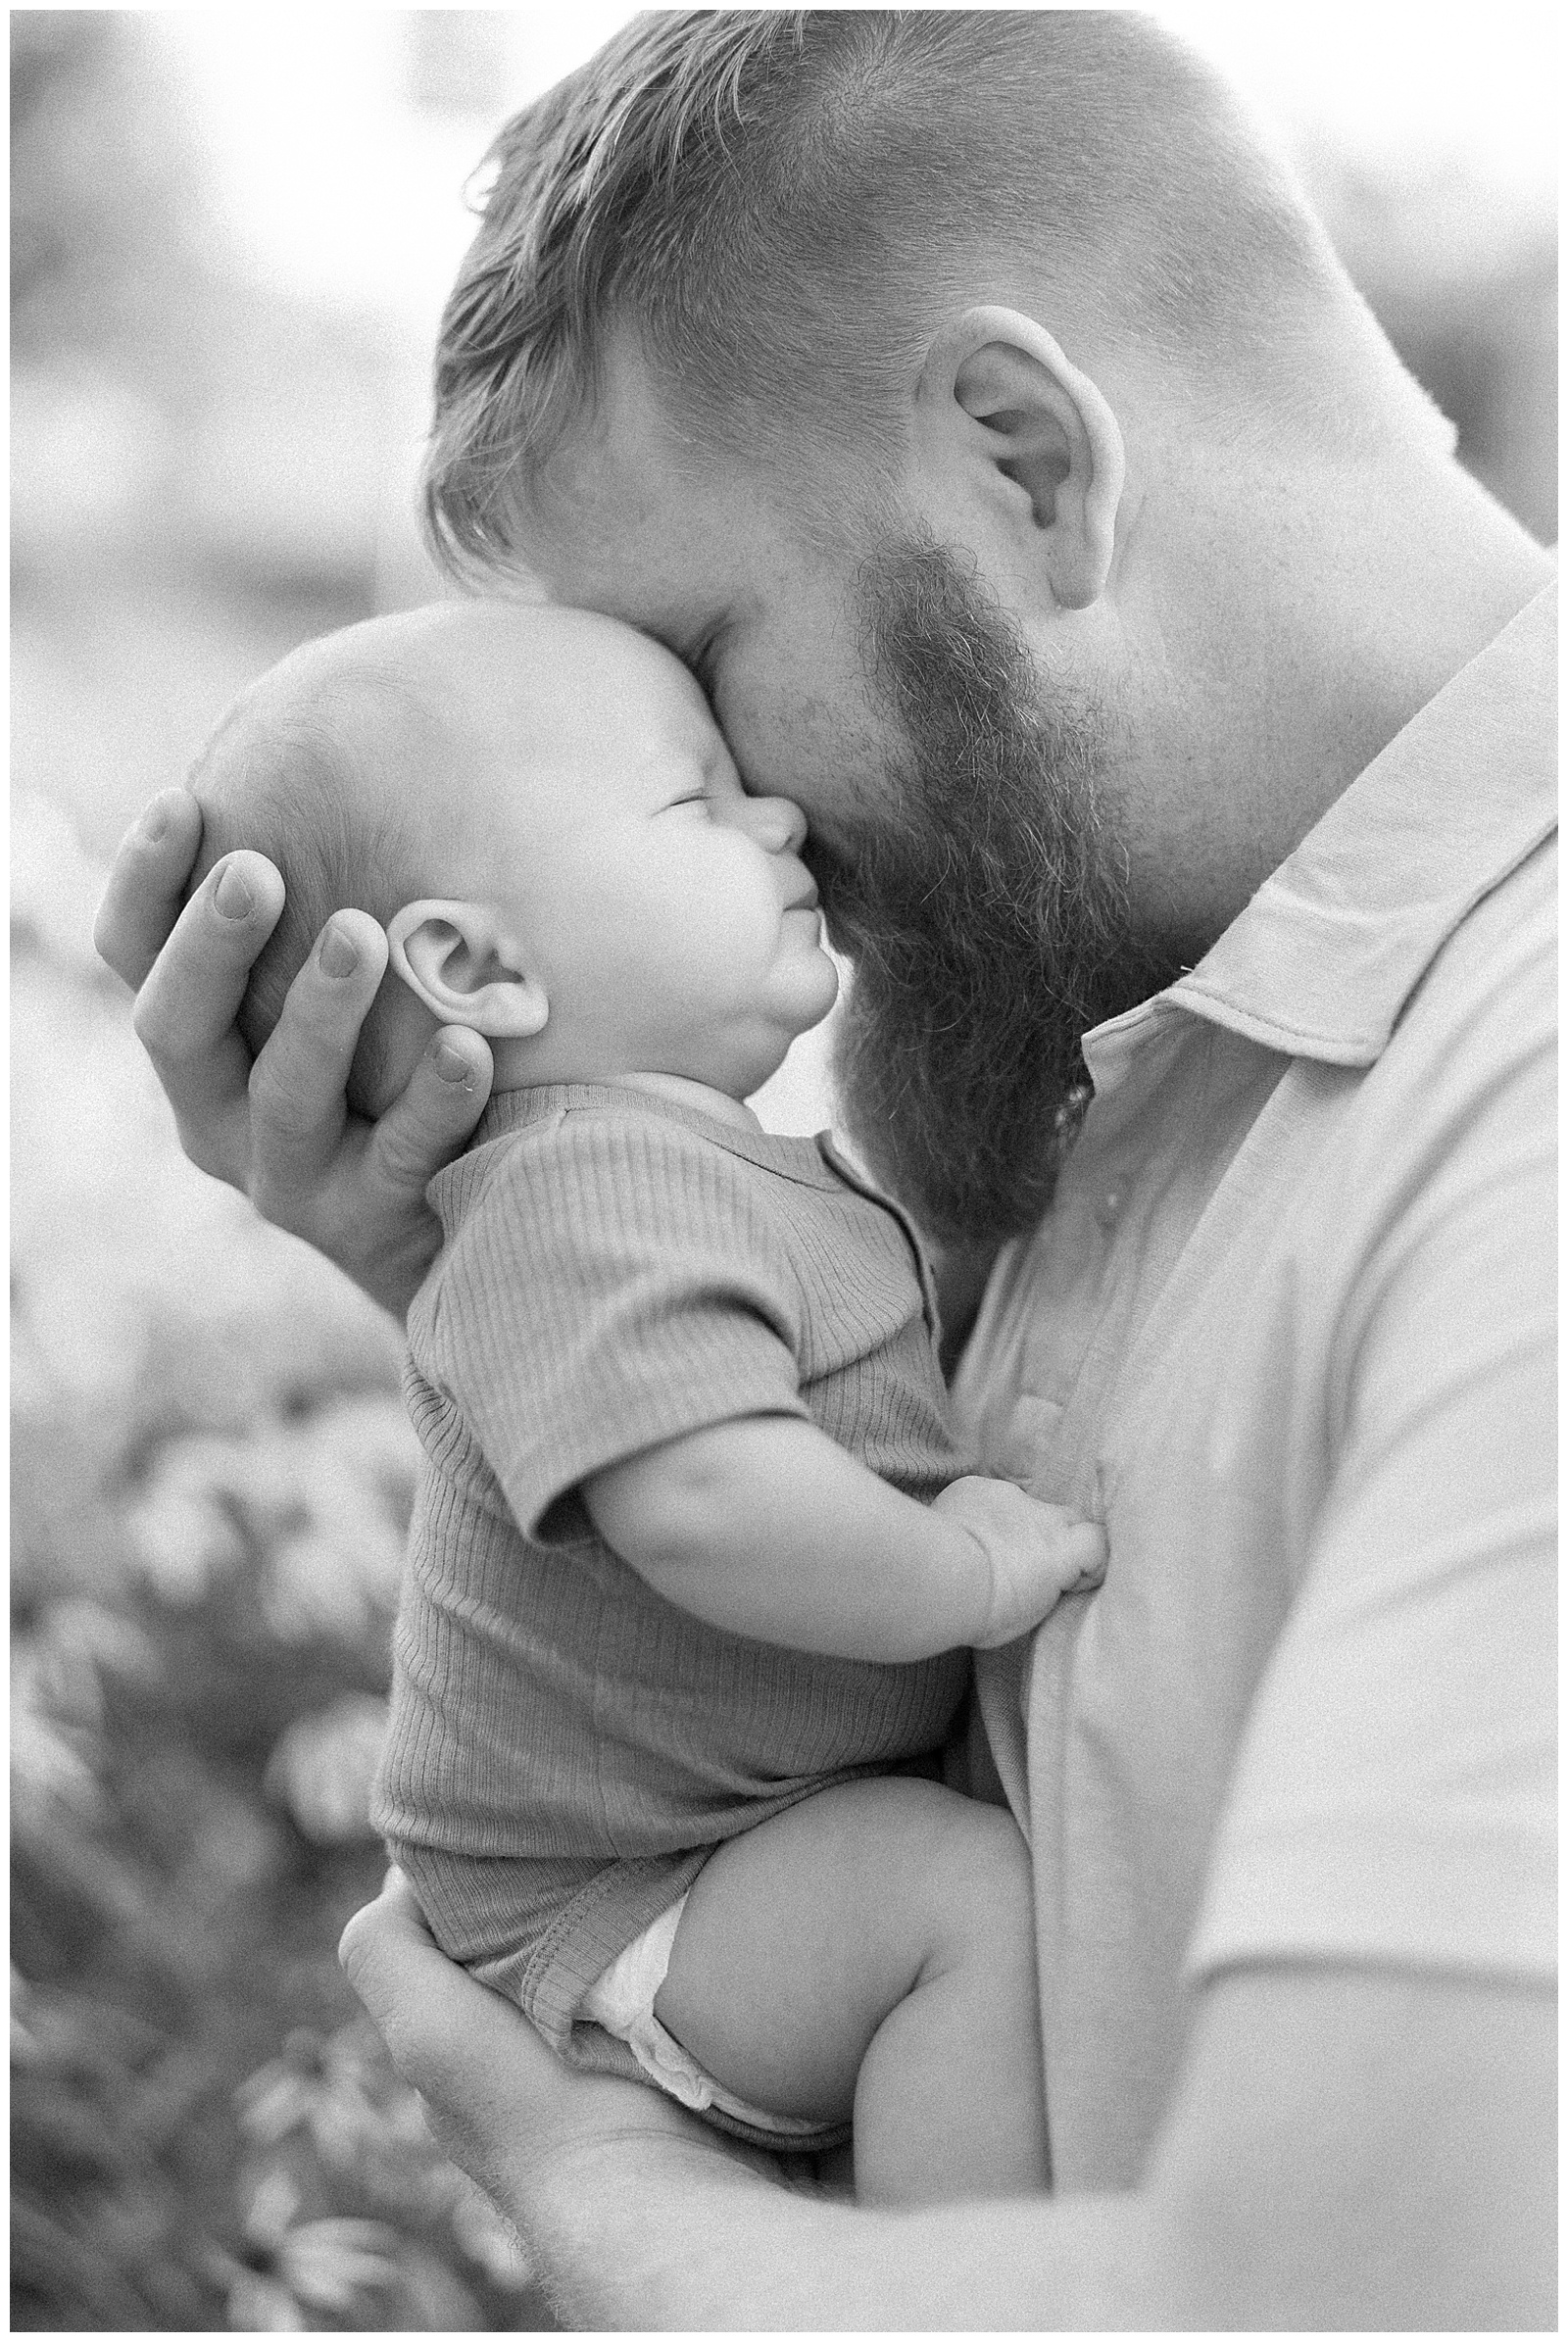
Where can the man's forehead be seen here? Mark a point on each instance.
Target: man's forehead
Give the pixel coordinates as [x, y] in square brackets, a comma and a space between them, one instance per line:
[627, 518]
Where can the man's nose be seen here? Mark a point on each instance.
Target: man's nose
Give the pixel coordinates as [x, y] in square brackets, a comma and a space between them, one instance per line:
[776, 824]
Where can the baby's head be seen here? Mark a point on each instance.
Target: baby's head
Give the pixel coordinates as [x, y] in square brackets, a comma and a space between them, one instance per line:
[538, 807]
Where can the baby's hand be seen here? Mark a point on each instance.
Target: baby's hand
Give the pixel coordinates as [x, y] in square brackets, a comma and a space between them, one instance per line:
[1037, 1552]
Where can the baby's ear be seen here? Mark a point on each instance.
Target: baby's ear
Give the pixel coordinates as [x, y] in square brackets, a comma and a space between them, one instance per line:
[467, 963]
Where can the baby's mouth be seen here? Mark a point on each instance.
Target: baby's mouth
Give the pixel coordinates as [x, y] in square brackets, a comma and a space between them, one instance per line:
[809, 909]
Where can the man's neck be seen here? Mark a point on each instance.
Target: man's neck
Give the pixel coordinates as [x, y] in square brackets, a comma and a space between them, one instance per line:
[1323, 636]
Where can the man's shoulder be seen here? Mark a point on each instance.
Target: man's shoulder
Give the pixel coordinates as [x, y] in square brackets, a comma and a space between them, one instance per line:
[1459, 1114]
[1489, 997]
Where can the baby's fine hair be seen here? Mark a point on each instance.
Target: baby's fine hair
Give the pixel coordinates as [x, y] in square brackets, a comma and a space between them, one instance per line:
[286, 774]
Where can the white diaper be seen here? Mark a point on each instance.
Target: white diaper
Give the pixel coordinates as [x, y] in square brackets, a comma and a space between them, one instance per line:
[621, 2000]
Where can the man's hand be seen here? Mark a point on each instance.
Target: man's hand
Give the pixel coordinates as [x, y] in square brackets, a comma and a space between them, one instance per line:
[280, 1128]
[504, 2106]
[1345, 2150]
[552, 2147]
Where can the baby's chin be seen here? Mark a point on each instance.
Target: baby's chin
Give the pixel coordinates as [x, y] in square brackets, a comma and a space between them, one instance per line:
[820, 983]
[815, 1010]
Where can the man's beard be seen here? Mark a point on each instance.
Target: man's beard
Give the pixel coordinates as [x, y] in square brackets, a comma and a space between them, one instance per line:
[983, 904]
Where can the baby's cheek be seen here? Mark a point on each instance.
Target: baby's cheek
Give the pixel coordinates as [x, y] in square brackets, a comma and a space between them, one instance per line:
[615, 943]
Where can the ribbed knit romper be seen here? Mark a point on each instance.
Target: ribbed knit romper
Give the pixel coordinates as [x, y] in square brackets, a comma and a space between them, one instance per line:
[568, 1747]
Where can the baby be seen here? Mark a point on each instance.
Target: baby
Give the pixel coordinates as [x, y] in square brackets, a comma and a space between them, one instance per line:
[693, 1567]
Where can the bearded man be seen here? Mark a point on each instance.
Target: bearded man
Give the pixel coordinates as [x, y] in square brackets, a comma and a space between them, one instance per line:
[973, 402]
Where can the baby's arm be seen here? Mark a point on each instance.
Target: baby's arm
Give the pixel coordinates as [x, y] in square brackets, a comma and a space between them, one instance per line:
[766, 1527]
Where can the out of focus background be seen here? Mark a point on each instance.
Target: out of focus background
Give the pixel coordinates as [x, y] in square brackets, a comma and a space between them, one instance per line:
[232, 231]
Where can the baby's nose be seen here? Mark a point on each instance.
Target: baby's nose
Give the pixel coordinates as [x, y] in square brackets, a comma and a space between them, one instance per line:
[777, 823]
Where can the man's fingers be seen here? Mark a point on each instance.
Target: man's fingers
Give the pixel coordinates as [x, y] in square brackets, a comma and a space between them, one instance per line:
[386, 1948]
[503, 2103]
[141, 900]
[297, 1086]
[186, 1007]
[494, 2092]
[448, 2035]
[436, 1114]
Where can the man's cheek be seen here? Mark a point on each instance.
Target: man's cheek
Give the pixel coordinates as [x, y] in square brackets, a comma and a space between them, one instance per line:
[824, 751]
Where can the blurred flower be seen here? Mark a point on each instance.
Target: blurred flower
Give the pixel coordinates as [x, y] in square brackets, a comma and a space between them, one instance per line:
[322, 1767]
[340, 1569]
[285, 2269]
[51, 1773]
[324, 1502]
[341, 2090]
[315, 2086]
[76, 1646]
[374, 1435]
[183, 1532]
[330, 1578]
[59, 2028]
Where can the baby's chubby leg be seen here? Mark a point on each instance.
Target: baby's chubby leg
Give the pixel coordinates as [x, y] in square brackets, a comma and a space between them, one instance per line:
[873, 1949]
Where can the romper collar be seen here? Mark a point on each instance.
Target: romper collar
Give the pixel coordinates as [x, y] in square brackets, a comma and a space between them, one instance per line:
[806, 1160]
[1322, 960]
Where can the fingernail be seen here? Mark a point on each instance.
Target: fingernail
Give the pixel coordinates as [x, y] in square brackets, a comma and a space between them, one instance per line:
[340, 954]
[153, 823]
[451, 1064]
[233, 896]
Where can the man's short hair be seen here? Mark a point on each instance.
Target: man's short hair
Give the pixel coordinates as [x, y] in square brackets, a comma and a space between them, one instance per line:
[779, 203]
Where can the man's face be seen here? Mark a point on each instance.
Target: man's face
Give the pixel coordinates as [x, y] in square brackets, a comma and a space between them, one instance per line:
[959, 830]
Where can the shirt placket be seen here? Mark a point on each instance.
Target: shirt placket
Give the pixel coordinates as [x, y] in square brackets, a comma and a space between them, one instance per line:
[1035, 1390]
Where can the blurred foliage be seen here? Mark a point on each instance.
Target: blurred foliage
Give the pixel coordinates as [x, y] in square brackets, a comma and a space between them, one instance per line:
[204, 2129]
[211, 1479]
[1466, 289]
[172, 418]
[99, 184]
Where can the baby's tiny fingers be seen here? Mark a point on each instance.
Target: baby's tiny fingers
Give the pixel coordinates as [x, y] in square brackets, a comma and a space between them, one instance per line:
[1085, 1554]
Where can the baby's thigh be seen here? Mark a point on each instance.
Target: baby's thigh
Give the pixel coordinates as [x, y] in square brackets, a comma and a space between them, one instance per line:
[800, 1936]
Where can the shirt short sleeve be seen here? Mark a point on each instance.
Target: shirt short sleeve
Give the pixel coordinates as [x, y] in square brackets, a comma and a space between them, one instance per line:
[1395, 1797]
[618, 1282]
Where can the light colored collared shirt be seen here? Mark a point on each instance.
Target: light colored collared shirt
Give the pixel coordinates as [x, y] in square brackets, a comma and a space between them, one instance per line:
[1287, 1330]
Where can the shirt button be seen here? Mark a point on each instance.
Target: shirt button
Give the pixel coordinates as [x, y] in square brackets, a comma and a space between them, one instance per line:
[1108, 1209]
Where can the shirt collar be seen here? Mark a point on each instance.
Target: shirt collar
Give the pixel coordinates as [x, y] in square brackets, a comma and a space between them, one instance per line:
[1325, 956]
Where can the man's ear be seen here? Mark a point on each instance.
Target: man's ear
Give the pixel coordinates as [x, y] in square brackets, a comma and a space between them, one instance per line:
[465, 962]
[1005, 415]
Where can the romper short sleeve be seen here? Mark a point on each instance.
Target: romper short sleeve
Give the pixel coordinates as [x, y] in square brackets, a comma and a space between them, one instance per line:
[616, 1283]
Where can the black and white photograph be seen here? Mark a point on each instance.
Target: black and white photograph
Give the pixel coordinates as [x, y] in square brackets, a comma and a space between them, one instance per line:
[784, 1169]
